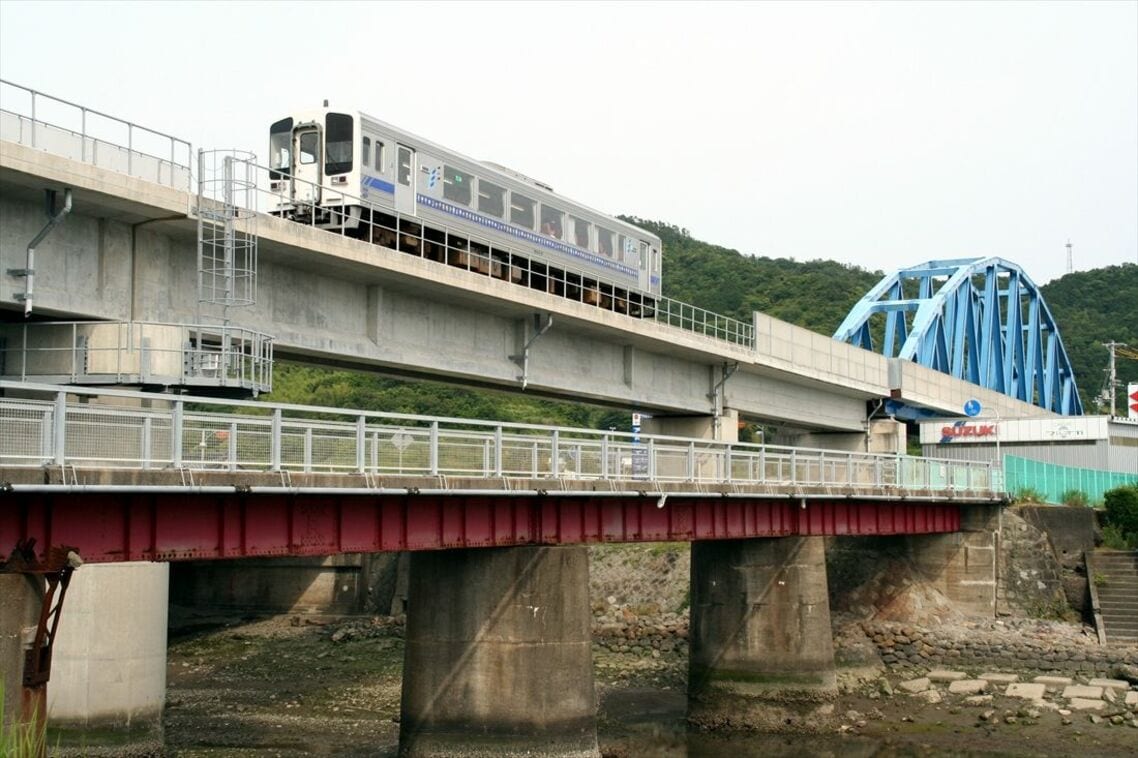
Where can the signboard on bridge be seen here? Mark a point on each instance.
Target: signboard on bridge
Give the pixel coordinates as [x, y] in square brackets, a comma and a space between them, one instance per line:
[639, 451]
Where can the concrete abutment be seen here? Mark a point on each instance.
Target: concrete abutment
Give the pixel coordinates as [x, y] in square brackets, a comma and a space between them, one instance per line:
[498, 658]
[962, 565]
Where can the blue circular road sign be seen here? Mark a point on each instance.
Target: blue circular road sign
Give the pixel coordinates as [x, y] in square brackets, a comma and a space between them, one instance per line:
[972, 407]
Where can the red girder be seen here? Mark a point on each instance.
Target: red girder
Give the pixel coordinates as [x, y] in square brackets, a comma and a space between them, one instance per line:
[171, 527]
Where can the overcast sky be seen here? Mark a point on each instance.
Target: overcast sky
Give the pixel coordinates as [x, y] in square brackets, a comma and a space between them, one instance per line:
[877, 134]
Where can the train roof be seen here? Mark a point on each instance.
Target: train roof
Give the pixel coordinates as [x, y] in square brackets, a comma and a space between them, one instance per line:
[490, 167]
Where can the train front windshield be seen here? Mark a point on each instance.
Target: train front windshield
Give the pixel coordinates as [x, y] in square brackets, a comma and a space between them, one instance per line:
[280, 148]
[338, 143]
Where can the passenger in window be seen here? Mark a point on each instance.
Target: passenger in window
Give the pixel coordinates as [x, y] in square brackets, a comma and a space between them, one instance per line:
[605, 245]
[549, 229]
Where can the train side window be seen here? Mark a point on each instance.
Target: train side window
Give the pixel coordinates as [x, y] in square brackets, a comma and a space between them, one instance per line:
[308, 146]
[632, 256]
[456, 185]
[379, 156]
[280, 151]
[404, 166]
[552, 222]
[604, 241]
[521, 210]
[491, 198]
[365, 154]
[580, 232]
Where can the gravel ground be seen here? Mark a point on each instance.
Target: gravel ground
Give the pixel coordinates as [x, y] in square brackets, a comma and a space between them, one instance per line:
[289, 687]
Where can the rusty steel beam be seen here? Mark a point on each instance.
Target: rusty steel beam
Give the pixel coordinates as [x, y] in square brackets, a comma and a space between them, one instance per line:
[177, 526]
[55, 567]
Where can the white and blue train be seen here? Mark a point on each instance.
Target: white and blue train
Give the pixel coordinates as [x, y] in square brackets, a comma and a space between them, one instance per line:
[348, 171]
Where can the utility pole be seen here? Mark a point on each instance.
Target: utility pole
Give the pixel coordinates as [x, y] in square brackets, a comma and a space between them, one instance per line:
[1070, 258]
[1112, 375]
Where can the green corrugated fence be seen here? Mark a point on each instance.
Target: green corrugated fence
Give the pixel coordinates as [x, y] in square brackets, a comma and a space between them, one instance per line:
[1052, 480]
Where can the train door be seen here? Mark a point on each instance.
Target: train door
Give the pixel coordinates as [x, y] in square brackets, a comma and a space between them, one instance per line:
[404, 179]
[307, 171]
[645, 267]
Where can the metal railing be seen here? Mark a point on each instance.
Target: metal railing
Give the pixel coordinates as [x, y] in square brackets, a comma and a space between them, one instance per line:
[73, 427]
[464, 248]
[74, 131]
[137, 352]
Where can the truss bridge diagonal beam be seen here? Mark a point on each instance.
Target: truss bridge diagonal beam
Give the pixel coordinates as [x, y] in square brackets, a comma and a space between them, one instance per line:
[981, 320]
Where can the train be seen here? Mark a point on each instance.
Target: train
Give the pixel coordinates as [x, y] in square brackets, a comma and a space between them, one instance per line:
[351, 173]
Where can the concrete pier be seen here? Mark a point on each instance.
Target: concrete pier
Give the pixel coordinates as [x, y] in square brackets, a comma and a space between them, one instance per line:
[761, 650]
[21, 597]
[499, 654]
[109, 664]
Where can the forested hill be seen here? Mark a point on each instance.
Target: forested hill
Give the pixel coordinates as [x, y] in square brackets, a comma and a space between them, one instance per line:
[1093, 307]
[813, 294]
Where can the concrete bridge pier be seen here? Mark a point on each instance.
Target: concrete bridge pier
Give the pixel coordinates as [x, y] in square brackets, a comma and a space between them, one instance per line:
[498, 657]
[109, 664]
[760, 649]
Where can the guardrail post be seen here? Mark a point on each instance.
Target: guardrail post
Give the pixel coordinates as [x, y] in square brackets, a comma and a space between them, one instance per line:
[728, 473]
[308, 450]
[651, 459]
[59, 429]
[555, 454]
[691, 461]
[144, 452]
[177, 428]
[497, 451]
[793, 466]
[232, 453]
[361, 445]
[434, 448]
[275, 441]
[604, 456]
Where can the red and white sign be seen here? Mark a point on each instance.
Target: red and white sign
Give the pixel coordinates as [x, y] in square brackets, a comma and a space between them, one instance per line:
[969, 430]
[1132, 401]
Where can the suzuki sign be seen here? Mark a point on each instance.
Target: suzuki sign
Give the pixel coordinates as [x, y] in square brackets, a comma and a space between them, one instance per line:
[968, 431]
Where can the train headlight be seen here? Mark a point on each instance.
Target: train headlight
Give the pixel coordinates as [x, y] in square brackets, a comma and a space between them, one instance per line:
[276, 186]
[339, 180]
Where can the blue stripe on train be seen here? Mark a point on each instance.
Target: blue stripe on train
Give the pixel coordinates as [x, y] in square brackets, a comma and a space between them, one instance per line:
[379, 184]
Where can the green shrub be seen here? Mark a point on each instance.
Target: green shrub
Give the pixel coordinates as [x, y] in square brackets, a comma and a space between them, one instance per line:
[1114, 539]
[1076, 498]
[1029, 495]
[1121, 505]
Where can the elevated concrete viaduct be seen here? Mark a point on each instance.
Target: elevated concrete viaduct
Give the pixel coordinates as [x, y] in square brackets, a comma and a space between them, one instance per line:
[127, 252]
